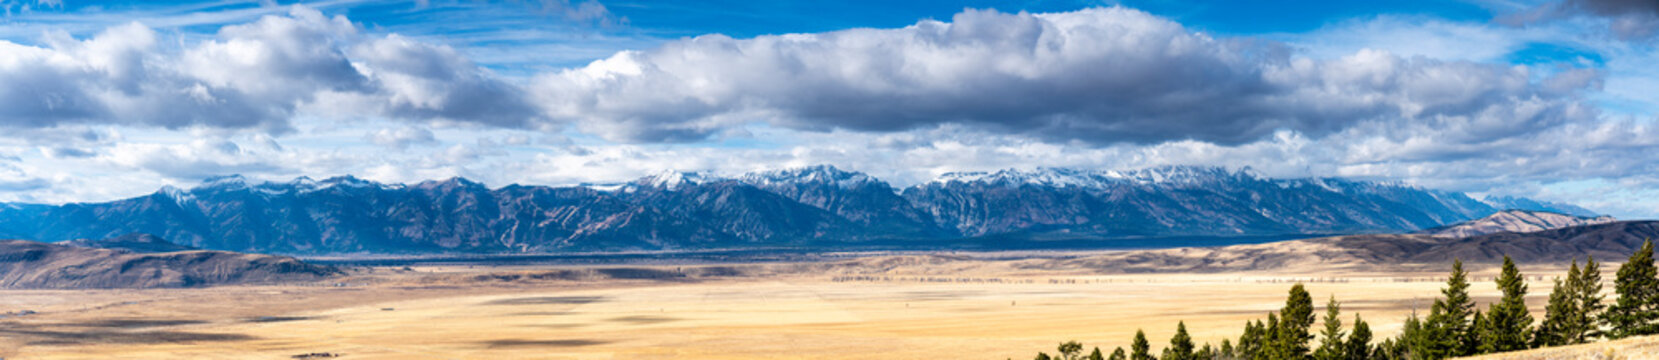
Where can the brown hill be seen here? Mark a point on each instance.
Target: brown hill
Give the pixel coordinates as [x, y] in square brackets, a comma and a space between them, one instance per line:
[134, 242]
[34, 265]
[1609, 241]
[1514, 221]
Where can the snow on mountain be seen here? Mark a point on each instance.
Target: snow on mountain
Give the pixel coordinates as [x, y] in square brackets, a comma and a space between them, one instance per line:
[815, 205]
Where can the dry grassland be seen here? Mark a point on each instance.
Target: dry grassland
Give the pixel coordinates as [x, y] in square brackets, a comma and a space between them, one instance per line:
[944, 310]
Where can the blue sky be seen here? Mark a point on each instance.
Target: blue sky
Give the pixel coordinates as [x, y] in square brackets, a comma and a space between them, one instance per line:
[1554, 100]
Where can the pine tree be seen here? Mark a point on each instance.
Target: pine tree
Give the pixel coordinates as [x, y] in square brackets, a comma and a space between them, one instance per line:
[1477, 328]
[1471, 338]
[1414, 341]
[1226, 351]
[1206, 352]
[1140, 349]
[1508, 322]
[1331, 346]
[1581, 326]
[1358, 346]
[1118, 355]
[1289, 338]
[1180, 346]
[1448, 321]
[1250, 343]
[1636, 311]
[1096, 355]
[1389, 350]
[1070, 350]
[1553, 331]
[1042, 356]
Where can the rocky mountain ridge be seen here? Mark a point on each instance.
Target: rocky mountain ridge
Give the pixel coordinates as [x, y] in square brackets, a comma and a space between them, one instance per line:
[818, 206]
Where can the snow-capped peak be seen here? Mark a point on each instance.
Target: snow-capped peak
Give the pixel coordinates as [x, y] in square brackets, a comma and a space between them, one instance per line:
[1069, 177]
[671, 179]
[232, 181]
[813, 174]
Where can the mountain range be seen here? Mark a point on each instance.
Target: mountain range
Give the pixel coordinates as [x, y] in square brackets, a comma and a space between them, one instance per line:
[818, 206]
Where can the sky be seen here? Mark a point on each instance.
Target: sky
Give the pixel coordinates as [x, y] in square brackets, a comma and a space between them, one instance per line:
[1551, 100]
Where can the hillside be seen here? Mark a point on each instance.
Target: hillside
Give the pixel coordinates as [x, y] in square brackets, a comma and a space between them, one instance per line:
[1604, 241]
[812, 207]
[35, 265]
[1623, 349]
[135, 242]
[1515, 221]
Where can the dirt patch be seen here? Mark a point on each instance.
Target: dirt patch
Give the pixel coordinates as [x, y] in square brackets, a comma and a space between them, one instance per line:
[540, 313]
[51, 337]
[542, 343]
[276, 319]
[133, 323]
[644, 319]
[548, 300]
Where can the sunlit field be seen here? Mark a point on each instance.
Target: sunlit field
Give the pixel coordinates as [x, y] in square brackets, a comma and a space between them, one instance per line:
[903, 313]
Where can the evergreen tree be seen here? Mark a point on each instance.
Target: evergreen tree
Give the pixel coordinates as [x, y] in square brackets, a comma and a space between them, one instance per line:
[1206, 352]
[1358, 346]
[1581, 326]
[1448, 321]
[1289, 335]
[1553, 331]
[1042, 356]
[1508, 322]
[1070, 350]
[1180, 346]
[1471, 338]
[1118, 355]
[1331, 346]
[1415, 341]
[1226, 351]
[1250, 343]
[1096, 355]
[1140, 349]
[1389, 350]
[1636, 311]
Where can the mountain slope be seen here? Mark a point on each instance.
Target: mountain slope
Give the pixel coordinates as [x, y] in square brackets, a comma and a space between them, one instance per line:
[1614, 240]
[1515, 221]
[35, 265]
[817, 207]
[134, 242]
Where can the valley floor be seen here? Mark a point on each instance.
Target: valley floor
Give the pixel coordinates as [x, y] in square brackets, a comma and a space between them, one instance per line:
[962, 309]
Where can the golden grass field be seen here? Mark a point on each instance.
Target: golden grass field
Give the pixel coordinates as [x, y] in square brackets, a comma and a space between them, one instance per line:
[444, 313]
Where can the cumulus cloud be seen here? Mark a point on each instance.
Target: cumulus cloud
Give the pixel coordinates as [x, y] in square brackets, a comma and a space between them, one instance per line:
[258, 75]
[1101, 76]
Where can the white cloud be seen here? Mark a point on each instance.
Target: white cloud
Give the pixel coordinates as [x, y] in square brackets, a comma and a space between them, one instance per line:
[401, 138]
[1102, 76]
[259, 76]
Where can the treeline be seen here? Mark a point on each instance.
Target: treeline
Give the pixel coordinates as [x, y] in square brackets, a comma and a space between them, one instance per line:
[1576, 314]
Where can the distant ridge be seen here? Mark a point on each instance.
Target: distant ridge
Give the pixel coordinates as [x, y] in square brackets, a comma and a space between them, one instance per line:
[1606, 242]
[821, 207]
[35, 265]
[1515, 221]
[134, 242]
